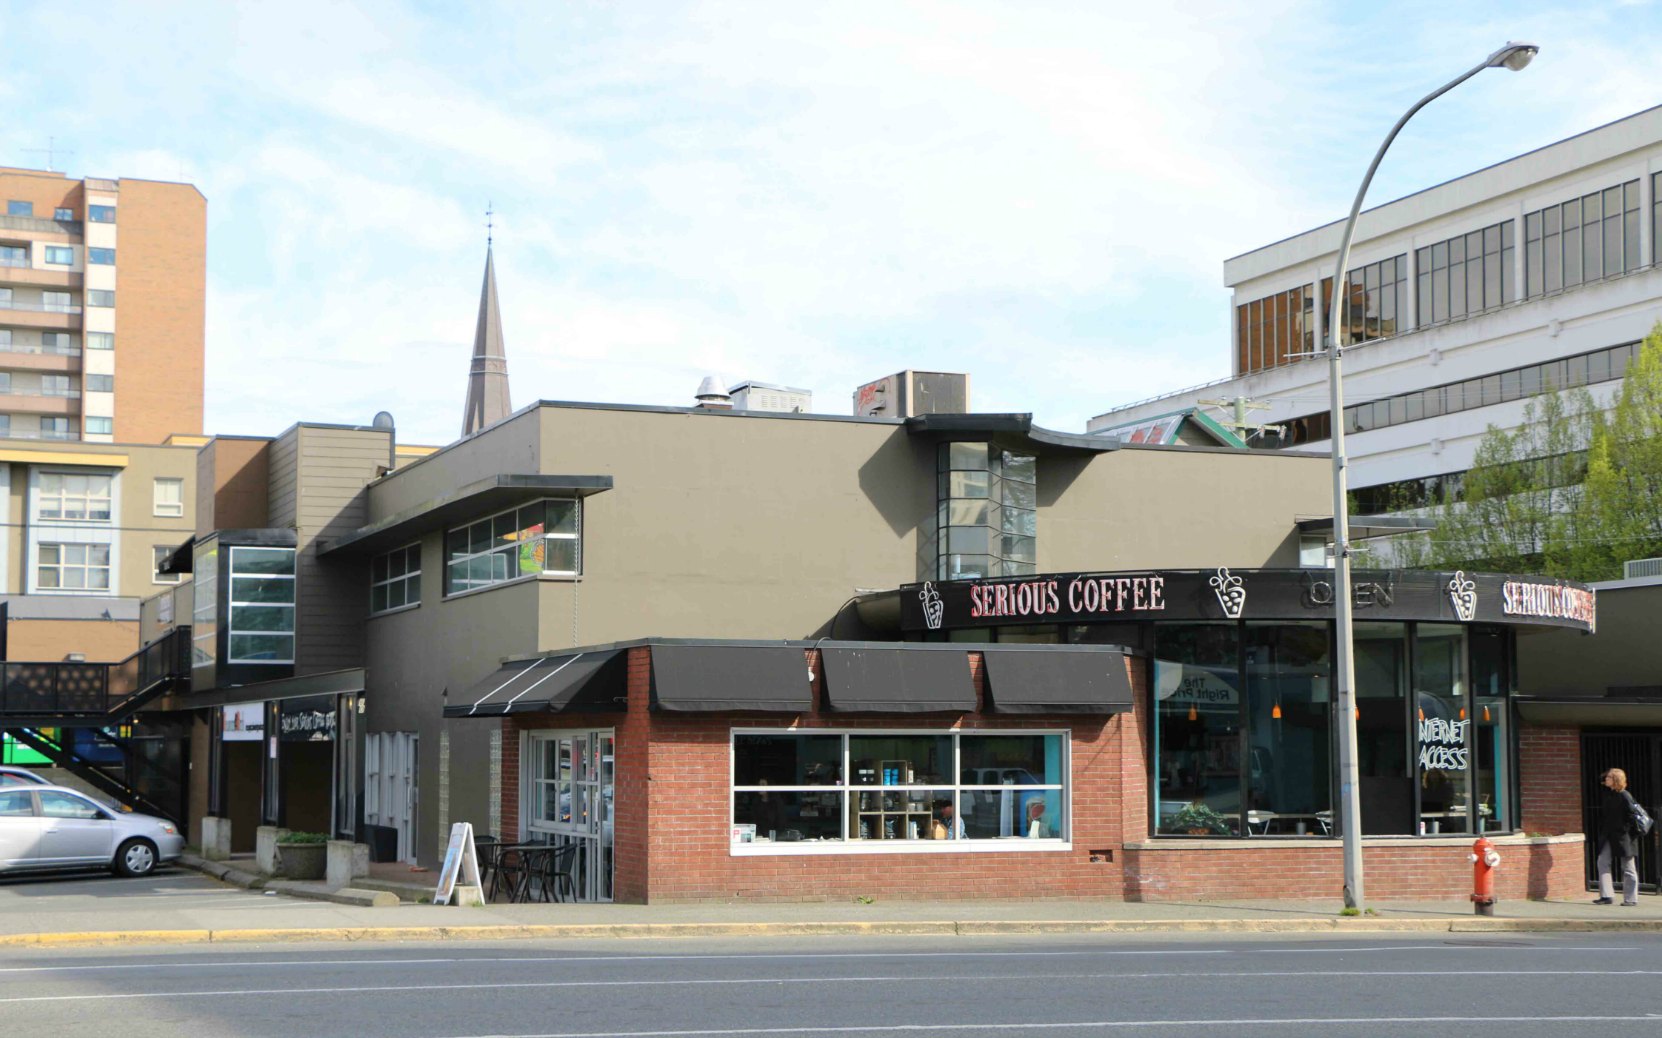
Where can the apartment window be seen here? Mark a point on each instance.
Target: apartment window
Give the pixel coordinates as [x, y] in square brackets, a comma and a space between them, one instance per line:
[5, 382]
[101, 383]
[61, 255]
[56, 342]
[105, 257]
[1376, 305]
[5, 337]
[57, 302]
[13, 256]
[54, 385]
[16, 208]
[1466, 275]
[96, 426]
[101, 213]
[100, 297]
[5, 425]
[158, 555]
[1274, 329]
[793, 791]
[55, 429]
[73, 567]
[61, 213]
[544, 537]
[395, 579]
[1585, 239]
[73, 495]
[100, 340]
[168, 497]
[261, 628]
[986, 513]
[5, 297]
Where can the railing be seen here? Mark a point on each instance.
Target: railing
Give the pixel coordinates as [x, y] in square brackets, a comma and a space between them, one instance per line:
[36, 223]
[40, 308]
[40, 348]
[36, 434]
[62, 394]
[92, 689]
[15, 261]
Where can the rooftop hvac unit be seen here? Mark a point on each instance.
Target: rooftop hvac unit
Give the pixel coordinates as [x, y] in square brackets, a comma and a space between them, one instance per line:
[1642, 568]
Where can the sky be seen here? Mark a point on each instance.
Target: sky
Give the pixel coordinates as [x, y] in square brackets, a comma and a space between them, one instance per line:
[1040, 194]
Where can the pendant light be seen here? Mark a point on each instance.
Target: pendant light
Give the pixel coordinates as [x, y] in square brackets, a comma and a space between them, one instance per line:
[1194, 715]
[1275, 711]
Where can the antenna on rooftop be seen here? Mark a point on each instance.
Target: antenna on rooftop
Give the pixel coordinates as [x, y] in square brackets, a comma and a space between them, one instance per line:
[51, 151]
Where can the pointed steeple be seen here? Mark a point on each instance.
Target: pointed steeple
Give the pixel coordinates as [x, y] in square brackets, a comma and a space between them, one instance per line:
[487, 379]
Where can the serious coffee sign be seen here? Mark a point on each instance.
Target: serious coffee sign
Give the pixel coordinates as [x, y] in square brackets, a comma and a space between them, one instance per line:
[1226, 594]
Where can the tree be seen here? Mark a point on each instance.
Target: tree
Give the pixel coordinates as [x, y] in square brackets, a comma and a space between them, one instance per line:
[1572, 492]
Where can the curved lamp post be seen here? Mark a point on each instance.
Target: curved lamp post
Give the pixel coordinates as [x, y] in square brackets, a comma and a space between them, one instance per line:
[1514, 56]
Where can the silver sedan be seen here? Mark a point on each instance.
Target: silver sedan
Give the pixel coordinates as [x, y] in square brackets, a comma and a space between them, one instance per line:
[50, 827]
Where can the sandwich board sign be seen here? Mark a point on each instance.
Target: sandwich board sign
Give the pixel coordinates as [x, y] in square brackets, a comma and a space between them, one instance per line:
[459, 878]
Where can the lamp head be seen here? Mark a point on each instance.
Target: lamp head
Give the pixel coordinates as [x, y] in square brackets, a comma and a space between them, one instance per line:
[1515, 56]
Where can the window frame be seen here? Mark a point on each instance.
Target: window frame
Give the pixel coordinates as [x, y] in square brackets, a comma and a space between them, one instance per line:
[158, 552]
[231, 604]
[88, 498]
[62, 565]
[48, 253]
[844, 787]
[450, 562]
[158, 507]
[412, 594]
[100, 256]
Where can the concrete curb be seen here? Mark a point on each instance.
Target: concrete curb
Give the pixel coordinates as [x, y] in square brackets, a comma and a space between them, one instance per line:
[355, 896]
[926, 928]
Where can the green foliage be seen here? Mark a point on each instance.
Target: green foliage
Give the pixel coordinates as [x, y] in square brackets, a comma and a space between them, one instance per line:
[301, 837]
[1196, 815]
[1572, 492]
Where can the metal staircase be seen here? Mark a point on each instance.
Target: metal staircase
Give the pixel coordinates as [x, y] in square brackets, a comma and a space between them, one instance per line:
[74, 714]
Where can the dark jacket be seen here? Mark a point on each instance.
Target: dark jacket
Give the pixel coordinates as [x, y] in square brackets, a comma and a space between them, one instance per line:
[1616, 823]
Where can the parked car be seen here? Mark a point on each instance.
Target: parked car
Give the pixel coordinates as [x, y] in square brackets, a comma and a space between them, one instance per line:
[51, 827]
[12, 775]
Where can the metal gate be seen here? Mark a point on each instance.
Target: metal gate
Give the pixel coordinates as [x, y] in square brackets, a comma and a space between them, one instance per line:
[568, 789]
[1640, 755]
[390, 760]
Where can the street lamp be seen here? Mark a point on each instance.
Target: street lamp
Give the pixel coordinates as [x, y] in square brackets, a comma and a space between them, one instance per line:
[1514, 56]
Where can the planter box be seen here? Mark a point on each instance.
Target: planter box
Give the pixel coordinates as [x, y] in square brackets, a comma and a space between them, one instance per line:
[301, 860]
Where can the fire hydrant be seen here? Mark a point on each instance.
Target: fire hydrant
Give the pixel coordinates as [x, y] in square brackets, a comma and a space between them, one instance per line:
[1483, 859]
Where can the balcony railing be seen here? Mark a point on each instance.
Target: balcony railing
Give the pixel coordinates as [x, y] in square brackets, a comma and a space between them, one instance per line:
[35, 434]
[35, 223]
[61, 394]
[48, 689]
[15, 261]
[40, 308]
[40, 347]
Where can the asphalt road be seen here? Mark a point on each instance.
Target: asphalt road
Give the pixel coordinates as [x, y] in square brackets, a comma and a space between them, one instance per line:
[1516, 986]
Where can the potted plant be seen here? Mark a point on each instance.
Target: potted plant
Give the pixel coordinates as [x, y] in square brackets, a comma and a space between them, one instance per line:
[302, 855]
[1197, 819]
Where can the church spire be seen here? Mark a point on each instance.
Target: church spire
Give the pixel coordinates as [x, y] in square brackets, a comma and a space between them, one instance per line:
[487, 380]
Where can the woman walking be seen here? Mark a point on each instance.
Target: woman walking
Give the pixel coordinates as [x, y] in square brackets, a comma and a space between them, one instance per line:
[1616, 840]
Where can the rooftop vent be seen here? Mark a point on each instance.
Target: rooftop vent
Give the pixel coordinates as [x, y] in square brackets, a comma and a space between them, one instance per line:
[1642, 568]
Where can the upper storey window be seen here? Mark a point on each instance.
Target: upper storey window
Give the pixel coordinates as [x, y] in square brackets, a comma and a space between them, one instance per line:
[1376, 305]
[1274, 329]
[65, 495]
[544, 537]
[1466, 275]
[987, 512]
[1585, 239]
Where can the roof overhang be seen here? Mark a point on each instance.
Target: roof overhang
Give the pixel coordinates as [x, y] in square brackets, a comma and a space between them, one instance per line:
[1016, 431]
[1372, 526]
[334, 682]
[492, 494]
[182, 558]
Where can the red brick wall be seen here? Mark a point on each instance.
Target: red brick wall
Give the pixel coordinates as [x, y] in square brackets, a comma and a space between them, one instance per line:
[1549, 769]
[1409, 869]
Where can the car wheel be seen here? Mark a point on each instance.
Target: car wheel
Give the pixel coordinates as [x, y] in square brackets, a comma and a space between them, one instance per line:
[135, 858]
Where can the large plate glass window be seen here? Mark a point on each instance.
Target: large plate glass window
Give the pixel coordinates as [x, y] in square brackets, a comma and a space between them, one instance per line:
[1197, 729]
[543, 537]
[261, 628]
[800, 789]
[74, 496]
[73, 567]
[987, 513]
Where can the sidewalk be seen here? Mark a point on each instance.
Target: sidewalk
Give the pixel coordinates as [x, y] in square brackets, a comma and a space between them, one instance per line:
[250, 918]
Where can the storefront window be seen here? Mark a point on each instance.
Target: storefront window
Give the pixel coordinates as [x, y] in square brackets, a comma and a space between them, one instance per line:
[1490, 682]
[875, 787]
[1288, 759]
[1197, 729]
[1441, 723]
[1385, 786]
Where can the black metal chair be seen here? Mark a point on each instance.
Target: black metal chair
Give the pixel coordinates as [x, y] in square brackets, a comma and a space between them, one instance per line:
[486, 847]
[559, 873]
[511, 873]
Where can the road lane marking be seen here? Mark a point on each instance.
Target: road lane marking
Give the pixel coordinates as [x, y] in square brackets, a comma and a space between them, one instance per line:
[1370, 1021]
[881, 979]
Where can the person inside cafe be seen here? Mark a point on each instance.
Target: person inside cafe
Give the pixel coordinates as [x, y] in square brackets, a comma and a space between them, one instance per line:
[946, 825]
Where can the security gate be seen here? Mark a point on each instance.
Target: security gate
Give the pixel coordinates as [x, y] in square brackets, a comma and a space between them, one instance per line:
[390, 786]
[568, 798]
[1640, 755]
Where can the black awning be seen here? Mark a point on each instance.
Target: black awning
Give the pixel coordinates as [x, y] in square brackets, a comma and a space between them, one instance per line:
[1057, 681]
[898, 680]
[772, 678]
[586, 681]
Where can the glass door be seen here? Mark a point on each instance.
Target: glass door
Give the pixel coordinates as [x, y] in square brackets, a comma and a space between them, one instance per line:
[570, 790]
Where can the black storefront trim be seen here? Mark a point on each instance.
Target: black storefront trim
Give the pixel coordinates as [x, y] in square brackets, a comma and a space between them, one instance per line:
[898, 680]
[585, 681]
[711, 678]
[1244, 594]
[1057, 680]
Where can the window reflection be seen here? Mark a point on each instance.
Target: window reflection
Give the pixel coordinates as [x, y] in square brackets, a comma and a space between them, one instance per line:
[1198, 729]
[1288, 761]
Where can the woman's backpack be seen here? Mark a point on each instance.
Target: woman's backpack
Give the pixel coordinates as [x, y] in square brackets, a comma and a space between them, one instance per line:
[1638, 818]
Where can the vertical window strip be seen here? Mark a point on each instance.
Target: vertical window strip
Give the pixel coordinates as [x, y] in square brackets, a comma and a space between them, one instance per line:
[1585, 239]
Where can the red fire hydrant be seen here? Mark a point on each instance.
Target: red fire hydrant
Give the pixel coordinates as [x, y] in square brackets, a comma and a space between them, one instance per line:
[1484, 859]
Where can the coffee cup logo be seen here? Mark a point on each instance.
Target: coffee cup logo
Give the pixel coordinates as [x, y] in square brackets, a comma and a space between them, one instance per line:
[1231, 592]
[1463, 593]
[933, 607]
